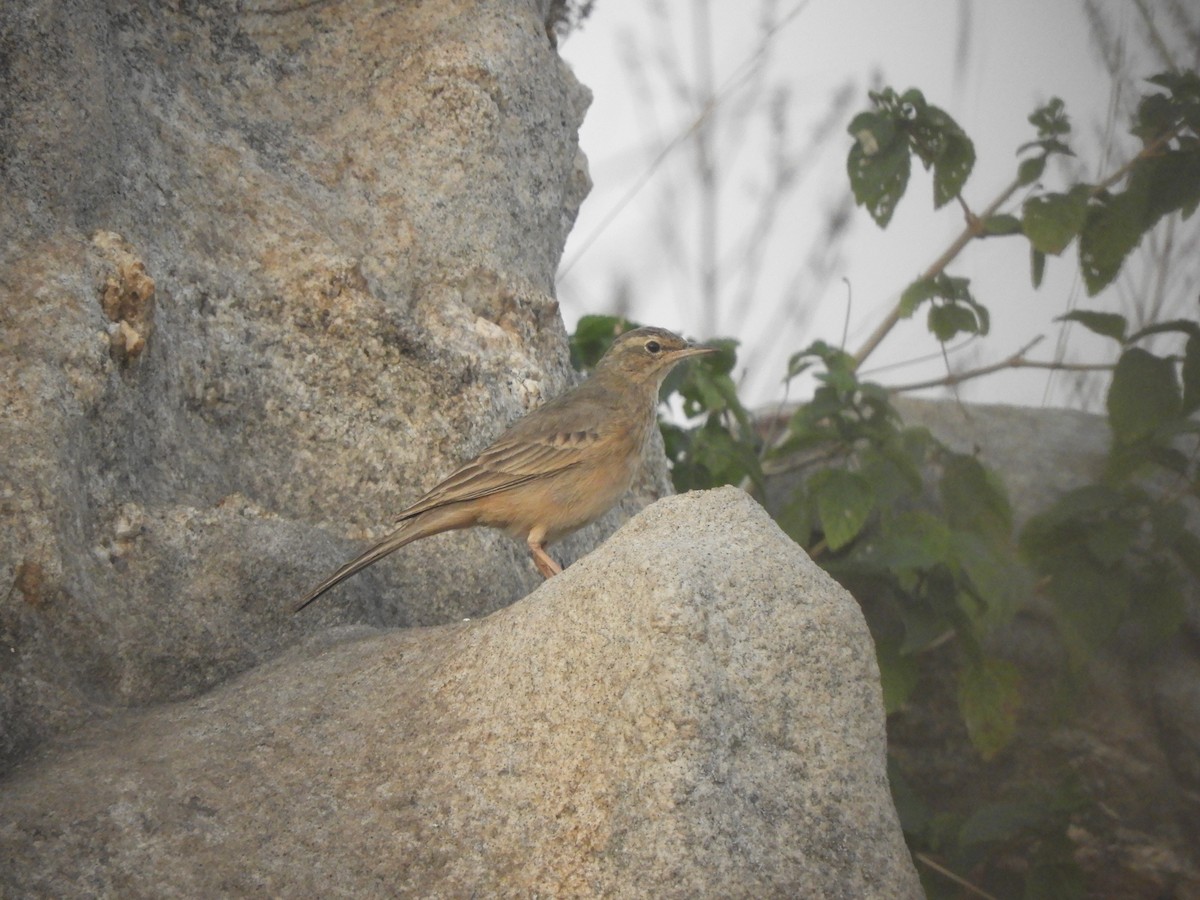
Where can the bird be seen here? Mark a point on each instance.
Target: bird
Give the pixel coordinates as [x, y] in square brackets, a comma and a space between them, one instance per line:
[557, 469]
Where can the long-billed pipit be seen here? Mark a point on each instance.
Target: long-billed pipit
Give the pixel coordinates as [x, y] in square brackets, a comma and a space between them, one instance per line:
[556, 470]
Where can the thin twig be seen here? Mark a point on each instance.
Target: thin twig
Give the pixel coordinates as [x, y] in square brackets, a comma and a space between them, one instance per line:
[956, 246]
[1016, 361]
[957, 879]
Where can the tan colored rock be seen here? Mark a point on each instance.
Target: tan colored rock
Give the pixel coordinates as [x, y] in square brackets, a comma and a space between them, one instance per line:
[298, 253]
[693, 710]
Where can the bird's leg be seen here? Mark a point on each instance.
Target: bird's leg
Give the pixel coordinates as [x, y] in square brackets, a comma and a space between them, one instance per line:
[544, 562]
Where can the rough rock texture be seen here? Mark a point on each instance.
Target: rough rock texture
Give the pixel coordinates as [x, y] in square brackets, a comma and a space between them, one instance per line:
[1132, 749]
[268, 271]
[678, 715]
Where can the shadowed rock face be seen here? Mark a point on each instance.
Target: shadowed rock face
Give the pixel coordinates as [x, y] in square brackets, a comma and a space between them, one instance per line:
[269, 271]
[692, 710]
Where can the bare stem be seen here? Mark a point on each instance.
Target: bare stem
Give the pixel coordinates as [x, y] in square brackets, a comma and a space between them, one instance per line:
[1016, 361]
[926, 860]
[973, 229]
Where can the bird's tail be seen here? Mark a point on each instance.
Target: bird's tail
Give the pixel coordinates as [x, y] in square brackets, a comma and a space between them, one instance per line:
[403, 535]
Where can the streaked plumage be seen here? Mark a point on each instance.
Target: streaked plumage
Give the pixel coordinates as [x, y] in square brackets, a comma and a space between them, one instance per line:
[557, 469]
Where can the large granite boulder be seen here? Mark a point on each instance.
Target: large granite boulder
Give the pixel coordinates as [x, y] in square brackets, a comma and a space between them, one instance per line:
[269, 271]
[693, 710]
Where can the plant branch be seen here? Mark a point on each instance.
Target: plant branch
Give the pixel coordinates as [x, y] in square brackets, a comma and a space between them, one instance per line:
[972, 230]
[927, 860]
[1015, 361]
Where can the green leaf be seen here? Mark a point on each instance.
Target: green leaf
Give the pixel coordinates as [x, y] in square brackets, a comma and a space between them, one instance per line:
[1171, 326]
[989, 699]
[913, 540]
[1030, 170]
[1089, 599]
[915, 294]
[1157, 186]
[795, 518]
[1104, 324]
[923, 625]
[1037, 266]
[898, 672]
[974, 499]
[1113, 228]
[844, 502]
[913, 811]
[1051, 120]
[995, 577]
[1001, 224]
[953, 164]
[950, 319]
[1051, 221]
[879, 171]
[1143, 396]
[1110, 539]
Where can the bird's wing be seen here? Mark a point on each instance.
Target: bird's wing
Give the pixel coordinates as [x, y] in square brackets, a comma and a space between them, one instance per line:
[514, 459]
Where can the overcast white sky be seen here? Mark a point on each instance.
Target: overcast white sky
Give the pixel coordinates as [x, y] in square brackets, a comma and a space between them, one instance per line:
[987, 64]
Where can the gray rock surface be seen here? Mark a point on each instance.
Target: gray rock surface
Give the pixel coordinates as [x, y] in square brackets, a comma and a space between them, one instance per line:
[268, 271]
[680, 714]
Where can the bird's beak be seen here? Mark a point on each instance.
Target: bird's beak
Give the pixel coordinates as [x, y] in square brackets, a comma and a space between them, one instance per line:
[694, 350]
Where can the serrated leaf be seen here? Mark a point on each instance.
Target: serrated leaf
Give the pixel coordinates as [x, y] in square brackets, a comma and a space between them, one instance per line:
[915, 294]
[1156, 187]
[879, 179]
[949, 319]
[1113, 228]
[989, 699]
[1104, 324]
[952, 167]
[1155, 115]
[1143, 396]
[1051, 221]
[844, 502]
[1051, 120]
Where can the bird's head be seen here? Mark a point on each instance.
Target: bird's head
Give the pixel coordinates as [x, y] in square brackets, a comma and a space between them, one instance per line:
[647, 354]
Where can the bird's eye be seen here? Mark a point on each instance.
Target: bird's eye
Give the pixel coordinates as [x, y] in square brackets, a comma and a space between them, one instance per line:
[653, 346]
